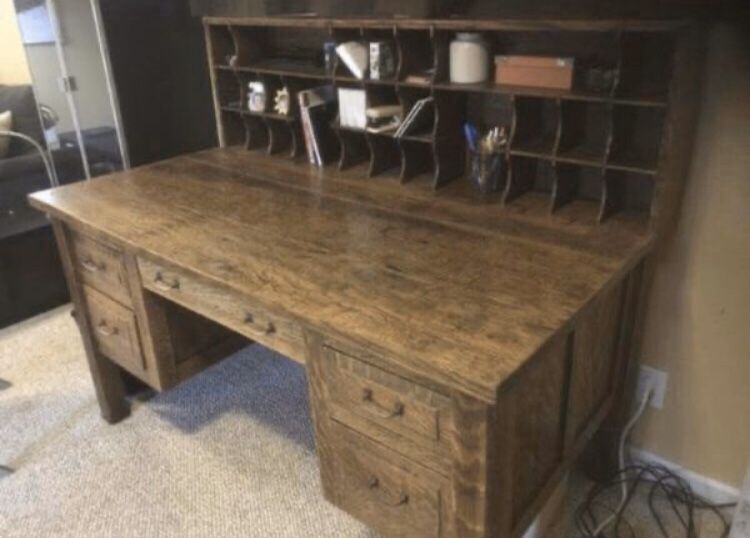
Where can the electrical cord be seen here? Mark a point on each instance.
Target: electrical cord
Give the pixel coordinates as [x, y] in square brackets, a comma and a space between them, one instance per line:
[683, 502]
[621, 458]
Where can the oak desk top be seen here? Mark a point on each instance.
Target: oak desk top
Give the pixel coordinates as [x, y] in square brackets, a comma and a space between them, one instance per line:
[462, 295]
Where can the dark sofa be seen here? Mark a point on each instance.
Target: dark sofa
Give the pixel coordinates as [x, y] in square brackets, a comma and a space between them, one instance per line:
[22, 170]
[31, 279]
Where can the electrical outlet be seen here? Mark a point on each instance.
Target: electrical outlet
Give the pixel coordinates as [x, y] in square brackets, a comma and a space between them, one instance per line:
[657, 380]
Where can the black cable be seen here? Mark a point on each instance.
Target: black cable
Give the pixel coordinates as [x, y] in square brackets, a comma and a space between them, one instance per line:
[682, 500]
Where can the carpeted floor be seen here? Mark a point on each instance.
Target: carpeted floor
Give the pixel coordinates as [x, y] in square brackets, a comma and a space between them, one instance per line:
[229, 453]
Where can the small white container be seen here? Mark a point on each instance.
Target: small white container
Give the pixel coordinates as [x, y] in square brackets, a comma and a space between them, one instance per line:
[470, 58]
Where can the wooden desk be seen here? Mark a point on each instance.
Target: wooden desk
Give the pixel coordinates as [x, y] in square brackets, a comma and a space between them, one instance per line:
[457, 363]
[461, 350]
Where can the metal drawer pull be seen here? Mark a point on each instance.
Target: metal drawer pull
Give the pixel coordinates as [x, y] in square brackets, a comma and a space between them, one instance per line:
[106, 330]
[375, 409]
[374, 484]
[91, 266]
[165, 285]
[270, 328]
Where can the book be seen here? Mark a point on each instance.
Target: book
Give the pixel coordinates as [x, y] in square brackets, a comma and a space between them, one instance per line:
[382, 60]
[355, 57]
[419, 117]
[383, 111]
[317, 107]
[353, 108]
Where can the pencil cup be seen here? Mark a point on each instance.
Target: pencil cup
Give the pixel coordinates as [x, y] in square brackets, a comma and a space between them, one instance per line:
[487, 170]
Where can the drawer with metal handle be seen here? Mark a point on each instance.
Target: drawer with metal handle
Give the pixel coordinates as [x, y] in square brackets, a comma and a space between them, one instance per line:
[115, 332]
[101, 267]
[395, 496]
[370, 399]
[224, 306]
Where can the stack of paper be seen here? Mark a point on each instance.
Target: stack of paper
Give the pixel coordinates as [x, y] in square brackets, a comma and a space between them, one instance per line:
[352, 108]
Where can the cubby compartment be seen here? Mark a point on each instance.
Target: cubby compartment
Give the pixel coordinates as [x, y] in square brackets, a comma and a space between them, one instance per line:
[627, 192]
[417, 160]
[222, 46]
[256, 133]
[585, 132]
[388, 37]
[233, 128]
[228, 90]
[280, 139]
[417, 57]
[577, 192]
[636, 138]
[489, 110]
[423, 128]
[270, 49]
[353, 147]
[448, 139]
[385, 155]
[536, 126]
[381, 95]
[344, 35]
[596, 56]
[645, 67]
[529, 184]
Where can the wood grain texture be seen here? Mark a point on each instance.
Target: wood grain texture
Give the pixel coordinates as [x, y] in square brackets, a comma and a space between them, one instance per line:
[353, 270]
[412, 419]
[396, 496]
[539, 426]
[101, 266]
[107, 377]
[115, 332]
[455, 24]
[595, 360]
[237, 312]
[461, 353]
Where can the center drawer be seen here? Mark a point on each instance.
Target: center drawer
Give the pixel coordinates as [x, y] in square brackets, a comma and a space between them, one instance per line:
[225, 307]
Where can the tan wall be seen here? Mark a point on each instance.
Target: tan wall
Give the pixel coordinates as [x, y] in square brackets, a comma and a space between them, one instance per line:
[698, 327]
[13, 69]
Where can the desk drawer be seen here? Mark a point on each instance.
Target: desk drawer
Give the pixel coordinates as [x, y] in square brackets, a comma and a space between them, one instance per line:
[114, 331]
[367, 398]
[391, 494]
[101, 267]
[225, 307]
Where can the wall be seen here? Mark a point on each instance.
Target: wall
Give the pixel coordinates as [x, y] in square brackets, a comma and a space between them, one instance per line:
[697, 326]
[13, 69]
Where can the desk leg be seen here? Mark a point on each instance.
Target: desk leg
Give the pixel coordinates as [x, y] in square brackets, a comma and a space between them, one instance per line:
[107, 376]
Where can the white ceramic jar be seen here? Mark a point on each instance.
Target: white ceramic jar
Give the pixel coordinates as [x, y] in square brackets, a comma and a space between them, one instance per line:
[470, 58]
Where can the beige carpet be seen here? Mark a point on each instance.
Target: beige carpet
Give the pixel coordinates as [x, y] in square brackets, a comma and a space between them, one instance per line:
[229, 453]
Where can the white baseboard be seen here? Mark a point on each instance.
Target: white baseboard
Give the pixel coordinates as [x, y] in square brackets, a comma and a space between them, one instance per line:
[708, 488]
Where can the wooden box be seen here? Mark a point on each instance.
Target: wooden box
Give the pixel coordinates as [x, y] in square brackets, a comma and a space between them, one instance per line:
[534, 71]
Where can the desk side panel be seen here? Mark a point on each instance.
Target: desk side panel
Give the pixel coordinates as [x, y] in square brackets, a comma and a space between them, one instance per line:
[548, 413]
